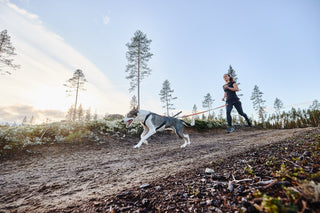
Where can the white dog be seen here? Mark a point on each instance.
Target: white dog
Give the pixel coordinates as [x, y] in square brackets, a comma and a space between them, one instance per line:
[152, 123]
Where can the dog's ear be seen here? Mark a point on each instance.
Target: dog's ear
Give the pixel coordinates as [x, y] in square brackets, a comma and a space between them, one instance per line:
[136, 111]
[134, 108]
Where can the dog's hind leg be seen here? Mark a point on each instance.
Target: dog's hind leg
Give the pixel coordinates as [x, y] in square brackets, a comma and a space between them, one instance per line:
[186, 140]
[185, 137]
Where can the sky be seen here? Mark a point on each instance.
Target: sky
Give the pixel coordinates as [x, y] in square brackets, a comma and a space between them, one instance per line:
[273, 44]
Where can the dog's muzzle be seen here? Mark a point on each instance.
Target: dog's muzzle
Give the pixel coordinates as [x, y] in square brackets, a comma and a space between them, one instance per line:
[128, 122]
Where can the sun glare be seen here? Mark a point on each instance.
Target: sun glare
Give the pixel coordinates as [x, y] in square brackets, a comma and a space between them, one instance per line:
[45, 97]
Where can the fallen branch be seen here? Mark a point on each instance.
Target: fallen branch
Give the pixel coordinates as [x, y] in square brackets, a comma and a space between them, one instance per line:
[275, 182]
[297, 165]
[230, 186]
[265, 182]
[242, 180]
[44, 133]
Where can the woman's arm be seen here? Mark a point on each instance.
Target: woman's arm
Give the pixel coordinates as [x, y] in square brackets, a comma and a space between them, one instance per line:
[235, 87]
[224, 96]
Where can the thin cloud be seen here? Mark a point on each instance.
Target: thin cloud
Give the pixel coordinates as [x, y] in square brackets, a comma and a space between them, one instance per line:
[23, 12]
[18, 112]
[47, 61]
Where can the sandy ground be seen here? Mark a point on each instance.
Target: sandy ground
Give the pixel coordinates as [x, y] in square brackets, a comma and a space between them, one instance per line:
[63, 175]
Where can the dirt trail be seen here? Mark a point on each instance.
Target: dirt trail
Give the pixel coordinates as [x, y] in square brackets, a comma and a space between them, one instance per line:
[60, 175]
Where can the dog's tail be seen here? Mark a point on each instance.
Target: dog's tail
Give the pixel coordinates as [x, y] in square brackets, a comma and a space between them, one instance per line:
[188, 124]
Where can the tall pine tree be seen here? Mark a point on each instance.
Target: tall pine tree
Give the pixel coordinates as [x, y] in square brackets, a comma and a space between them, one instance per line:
[195, 110]
[258, 103]
[6, 52]
[138, 55]
[133, 102]
[232, 72]
[166, 96]
[315, 105]
[277, 105]
[207, 103]
[75, 84]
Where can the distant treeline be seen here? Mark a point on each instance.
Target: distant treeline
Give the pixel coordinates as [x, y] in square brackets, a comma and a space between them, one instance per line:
[295, 118]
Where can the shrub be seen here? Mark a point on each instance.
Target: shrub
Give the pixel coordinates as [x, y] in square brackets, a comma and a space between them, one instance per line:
[18, 137]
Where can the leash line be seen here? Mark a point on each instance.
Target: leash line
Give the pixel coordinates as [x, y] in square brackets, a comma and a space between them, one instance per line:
[177, 114]
[204, 111]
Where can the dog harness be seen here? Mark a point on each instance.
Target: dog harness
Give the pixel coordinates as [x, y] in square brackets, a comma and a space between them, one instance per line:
[163, 123]
[144, 122]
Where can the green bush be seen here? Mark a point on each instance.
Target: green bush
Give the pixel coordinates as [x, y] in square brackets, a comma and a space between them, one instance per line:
[211, 124]
[18, 137]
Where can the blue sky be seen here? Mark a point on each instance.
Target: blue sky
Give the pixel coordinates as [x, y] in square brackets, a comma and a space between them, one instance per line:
[272, 44]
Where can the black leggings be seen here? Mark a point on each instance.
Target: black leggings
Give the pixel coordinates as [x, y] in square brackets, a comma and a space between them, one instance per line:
[238, 106]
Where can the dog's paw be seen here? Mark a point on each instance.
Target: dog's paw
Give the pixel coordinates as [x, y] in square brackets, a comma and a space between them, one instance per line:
[145, 142]
[136, 146]
[184, 145]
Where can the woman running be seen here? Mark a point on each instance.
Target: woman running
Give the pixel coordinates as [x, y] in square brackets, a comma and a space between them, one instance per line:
[231, 98]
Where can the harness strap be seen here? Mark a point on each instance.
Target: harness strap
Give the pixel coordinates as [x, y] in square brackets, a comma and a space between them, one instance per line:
[144, 122]
[164, 123]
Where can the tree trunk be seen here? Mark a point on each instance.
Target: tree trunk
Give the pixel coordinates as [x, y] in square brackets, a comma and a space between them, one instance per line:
[167, 104]
[75, 105]
[139, 76]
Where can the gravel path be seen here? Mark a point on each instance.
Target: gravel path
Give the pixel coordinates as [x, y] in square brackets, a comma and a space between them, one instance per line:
[57, 176]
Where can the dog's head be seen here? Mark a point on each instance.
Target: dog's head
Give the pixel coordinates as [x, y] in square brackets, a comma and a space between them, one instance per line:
[128, 120]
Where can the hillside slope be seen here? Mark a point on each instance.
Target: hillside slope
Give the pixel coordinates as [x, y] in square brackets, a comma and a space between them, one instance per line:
[70, 175]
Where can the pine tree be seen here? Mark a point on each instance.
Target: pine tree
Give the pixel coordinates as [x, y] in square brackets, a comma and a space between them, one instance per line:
[95, 116]
[166, 96]
[31, 119]
[232, 72]
[195, 110]
[6, 52]
[69, 115]
[314, 112]
[138, 55]
[133, 102]
[80, 113]
[24, 121]
[258, 103]
[75, 84]
[315, 105]
[278, 105]
[207, 103]
[88, 115]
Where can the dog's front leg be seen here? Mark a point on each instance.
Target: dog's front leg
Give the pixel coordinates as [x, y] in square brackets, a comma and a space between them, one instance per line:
[145, 137]
[145, 131]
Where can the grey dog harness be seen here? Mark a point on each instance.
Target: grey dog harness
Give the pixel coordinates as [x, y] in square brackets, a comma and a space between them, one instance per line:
[163, 123]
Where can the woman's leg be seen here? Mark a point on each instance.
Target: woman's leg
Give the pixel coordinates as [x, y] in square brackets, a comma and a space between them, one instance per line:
[228, 110]
[238, 106]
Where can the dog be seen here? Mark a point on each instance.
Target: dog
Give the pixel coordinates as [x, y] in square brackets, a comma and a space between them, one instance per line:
[153, 122]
